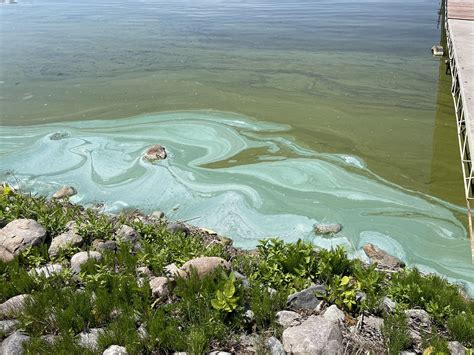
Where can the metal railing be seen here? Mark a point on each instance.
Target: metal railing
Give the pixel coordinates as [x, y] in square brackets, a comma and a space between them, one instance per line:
[462, 129]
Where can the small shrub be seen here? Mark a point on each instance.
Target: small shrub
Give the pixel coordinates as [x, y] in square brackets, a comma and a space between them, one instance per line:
[434, 343]
[333, 263]
[14, 280]
[93, 225]
[395, 333]
[65, 344]
[342, 292]
[461, 328]
[265, 304]
[122, 331]
[54, 311]
[285, 265]
[225, 299]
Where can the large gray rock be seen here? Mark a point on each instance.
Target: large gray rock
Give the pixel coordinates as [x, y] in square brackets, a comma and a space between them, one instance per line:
[13, 345]
[419, 322]
[19, 235]
[204, 265]
[371, 328]
[104, 245]
[315, 335]
[65, 192]
[157, 215]
[47, 270]
[288, 318]
[382, 258]
[172, 270]
[306, 299]
[456, 348]
[323, 229]
[82, 257]
[89, 339]
[334, 314]
[177, 228]
[275, 346]
[159, 287]
[126, 234]
[7, 327]
[13, 306]
[115, 350]
[388, 305]
[64, 241]
[154, 153]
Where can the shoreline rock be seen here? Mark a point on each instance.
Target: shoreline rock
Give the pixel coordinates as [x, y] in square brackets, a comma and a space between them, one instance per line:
[64, 241]
[82, 257]
[382, 258]
[19, 235]
[204, 265]
[324, 229]
[13, 305]
[316, 335]
[306, 299]
[64, 192]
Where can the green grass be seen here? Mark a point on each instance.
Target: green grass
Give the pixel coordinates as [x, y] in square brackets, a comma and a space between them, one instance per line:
[395, 332]
[108, 294]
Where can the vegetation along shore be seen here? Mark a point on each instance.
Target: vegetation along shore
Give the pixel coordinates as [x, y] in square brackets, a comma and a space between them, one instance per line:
[78, 281]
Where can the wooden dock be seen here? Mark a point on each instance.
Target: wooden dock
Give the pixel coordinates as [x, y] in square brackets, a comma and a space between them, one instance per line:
[459, 26]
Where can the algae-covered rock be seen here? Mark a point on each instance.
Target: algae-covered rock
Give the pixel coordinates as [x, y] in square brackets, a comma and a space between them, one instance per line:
[155, 152]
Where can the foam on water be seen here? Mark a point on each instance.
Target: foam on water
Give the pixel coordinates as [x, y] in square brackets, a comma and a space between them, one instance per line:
[238, 177]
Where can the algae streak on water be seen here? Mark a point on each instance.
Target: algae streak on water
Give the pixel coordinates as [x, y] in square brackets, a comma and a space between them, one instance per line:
[282, 193]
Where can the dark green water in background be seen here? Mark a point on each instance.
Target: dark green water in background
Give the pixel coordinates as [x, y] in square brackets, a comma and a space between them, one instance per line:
[352, 77]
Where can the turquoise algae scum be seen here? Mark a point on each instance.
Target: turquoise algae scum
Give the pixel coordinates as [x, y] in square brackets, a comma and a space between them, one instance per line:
[283, 192]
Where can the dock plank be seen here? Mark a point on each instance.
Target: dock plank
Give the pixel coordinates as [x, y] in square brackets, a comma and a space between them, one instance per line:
[462, 35]
[461, 9]
[459, 18]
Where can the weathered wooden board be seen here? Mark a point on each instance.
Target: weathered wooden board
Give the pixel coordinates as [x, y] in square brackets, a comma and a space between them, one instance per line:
[461, 9]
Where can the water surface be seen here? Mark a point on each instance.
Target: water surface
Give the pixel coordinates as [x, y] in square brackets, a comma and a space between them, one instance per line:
[351, 76]
[277, 115]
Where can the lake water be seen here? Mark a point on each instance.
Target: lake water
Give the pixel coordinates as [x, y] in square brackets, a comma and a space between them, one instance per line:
[277, 115]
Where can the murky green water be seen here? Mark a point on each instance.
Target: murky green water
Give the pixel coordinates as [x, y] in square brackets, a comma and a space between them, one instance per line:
[348, 76]
[343, 78]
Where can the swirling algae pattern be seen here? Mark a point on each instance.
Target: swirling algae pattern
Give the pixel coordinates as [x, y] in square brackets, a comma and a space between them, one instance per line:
[241, 178]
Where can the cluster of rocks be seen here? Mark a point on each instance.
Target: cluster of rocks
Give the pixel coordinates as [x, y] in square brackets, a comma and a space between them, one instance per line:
[309, 325]
[153, 154]
[21, 234]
